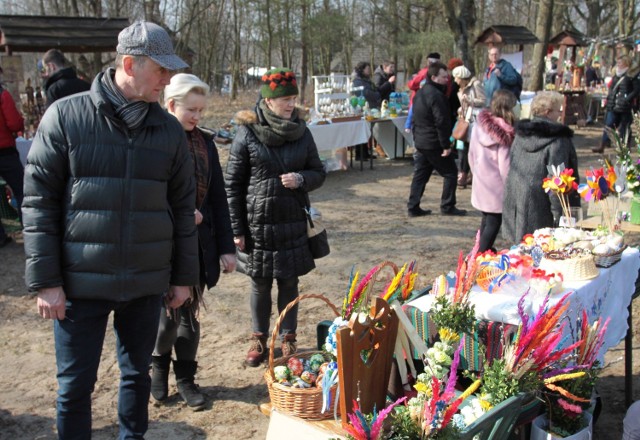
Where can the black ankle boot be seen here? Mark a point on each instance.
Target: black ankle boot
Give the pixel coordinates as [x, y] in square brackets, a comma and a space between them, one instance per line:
[160, 376]
[188, 390]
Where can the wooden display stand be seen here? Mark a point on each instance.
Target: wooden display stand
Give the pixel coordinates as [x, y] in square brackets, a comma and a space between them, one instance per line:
[366, 381]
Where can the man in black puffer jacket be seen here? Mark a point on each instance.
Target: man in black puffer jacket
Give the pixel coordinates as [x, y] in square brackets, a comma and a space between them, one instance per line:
[109, 226]
[61, 80]
[431, 132]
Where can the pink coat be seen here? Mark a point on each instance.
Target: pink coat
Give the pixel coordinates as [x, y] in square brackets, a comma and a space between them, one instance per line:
[489, 146]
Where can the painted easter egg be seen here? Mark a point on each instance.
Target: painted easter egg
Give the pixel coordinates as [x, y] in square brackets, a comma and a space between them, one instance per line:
[295, 366]
[281, 372]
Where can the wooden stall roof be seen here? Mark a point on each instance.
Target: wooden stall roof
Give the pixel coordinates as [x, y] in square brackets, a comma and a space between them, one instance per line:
[504, 34]
[37, 33]
[569, 38]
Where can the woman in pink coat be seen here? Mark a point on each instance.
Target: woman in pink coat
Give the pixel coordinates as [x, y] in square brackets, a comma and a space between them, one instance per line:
[489, 146]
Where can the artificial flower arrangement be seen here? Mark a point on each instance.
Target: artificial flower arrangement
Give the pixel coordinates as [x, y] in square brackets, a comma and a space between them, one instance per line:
[626, 158]
[430, 414]
[569, 385]
[360, 291]
[452, 309]
[599, 185]
[536, 347]
[561, 182]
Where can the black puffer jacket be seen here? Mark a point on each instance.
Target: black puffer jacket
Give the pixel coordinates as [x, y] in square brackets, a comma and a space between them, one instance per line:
[267, 214]
[381, 81]
[63, 83]
[538, 143]
[620, 100]
[108, 214]
[431, 118]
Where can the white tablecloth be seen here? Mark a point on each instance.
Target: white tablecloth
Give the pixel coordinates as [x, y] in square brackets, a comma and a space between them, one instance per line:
[340, 134]
[390, 135]
[606, 296]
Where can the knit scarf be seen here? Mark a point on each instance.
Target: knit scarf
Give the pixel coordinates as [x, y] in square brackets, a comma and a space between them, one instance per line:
[198, 149]
[131, 113]
[278, 131]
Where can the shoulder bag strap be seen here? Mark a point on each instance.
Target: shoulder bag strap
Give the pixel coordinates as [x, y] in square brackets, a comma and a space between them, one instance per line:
[304, 201]
[617, 86]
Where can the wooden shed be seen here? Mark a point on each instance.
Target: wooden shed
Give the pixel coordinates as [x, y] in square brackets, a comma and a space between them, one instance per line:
[37, 33]
[564, 40]
[500, 35]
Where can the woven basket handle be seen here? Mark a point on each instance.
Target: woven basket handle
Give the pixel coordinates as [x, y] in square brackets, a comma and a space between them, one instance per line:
[276, 329]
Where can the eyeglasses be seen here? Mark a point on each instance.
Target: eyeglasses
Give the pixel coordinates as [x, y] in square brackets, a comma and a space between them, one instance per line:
[42, 68]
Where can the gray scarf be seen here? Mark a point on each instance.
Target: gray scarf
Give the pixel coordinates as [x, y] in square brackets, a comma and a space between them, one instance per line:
[277, 131]
[131, 113]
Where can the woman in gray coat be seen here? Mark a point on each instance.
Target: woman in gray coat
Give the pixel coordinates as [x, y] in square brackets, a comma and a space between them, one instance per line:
[539, 142]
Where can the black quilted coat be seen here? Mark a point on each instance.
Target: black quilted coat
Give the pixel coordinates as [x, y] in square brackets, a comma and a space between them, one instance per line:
[108, 214]
[267, 214]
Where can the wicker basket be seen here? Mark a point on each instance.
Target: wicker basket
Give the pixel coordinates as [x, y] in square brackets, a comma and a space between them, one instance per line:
[305, 403]
[608, 260]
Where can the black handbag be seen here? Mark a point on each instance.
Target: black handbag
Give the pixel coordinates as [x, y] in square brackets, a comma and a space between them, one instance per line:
[317, 239]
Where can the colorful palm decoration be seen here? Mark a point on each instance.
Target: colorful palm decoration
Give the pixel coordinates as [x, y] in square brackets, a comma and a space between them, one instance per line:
[560, 182]
[599, 185]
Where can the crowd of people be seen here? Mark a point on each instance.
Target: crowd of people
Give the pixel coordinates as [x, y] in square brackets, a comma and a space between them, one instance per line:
[126, 208]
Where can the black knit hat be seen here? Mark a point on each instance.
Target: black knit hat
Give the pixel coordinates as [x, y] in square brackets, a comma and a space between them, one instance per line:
[434, 55]
[279, 82]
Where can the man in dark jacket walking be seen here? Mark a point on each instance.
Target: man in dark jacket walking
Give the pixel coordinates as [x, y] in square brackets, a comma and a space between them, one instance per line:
[109, 226]
[61, 79]
[431, 131]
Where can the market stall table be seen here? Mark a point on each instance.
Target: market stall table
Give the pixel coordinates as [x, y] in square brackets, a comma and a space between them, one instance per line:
[286, 427]
[390, 135]
[573, 109]
[341, 135]
[608, 296]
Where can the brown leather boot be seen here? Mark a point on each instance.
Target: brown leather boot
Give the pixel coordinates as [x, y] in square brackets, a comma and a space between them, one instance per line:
[289, 345]
[257, 351]
[603, 145]
[462, 179]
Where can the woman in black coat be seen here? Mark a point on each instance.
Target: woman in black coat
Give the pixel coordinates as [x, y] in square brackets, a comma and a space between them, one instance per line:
[624, 90]
[185, 98]
[273, 164]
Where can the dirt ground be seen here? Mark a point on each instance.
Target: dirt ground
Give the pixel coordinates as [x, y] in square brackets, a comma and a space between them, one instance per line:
[365, 214]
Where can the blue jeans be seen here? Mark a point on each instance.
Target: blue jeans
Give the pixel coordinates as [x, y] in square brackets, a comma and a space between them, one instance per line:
[79, 339]
[619, 122]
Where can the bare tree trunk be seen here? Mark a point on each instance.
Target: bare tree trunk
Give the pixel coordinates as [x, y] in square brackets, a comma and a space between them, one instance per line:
[543, 30]
[235, 63]
[462, 26]
[304, 49]
[269, 33]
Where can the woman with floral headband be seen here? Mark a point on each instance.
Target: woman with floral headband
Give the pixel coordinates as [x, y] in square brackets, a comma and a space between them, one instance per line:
[273, 164]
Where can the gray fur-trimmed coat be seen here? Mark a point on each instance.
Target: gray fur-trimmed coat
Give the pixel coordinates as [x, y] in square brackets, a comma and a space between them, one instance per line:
[268, 215]
[527, 207]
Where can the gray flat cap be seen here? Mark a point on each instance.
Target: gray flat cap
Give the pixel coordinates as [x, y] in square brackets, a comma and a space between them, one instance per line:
[149, 39]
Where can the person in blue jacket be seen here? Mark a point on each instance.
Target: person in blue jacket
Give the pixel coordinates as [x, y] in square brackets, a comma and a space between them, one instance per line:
[500, 75]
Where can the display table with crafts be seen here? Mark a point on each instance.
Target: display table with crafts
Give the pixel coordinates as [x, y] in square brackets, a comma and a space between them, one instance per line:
[330, 136]
[390, 135]
[607, 295]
